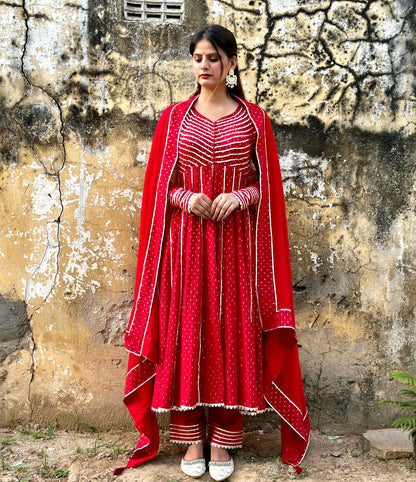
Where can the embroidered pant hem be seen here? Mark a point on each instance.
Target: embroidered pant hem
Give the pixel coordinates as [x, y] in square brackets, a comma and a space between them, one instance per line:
[224, 427]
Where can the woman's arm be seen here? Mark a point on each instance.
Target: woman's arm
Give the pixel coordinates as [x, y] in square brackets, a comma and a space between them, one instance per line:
[190, 202]
[180, 198]
[248, 195]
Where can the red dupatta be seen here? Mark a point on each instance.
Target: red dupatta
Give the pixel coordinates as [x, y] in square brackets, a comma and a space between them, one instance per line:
[282, 376]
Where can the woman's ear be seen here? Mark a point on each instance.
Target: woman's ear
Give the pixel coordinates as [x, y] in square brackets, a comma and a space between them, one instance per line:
[233, 62]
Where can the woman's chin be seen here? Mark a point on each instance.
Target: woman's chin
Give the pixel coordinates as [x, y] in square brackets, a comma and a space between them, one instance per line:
[208, 84]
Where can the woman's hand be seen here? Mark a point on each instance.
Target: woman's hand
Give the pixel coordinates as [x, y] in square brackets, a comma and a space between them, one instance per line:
[223, 205]
[200, 205]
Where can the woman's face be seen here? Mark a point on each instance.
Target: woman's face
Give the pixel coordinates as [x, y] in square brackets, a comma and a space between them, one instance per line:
[207, 65]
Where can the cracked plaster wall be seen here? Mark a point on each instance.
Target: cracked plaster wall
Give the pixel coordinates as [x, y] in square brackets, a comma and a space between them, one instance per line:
[80, 92]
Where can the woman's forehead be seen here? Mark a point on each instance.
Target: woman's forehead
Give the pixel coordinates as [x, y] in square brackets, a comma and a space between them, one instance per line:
[205, 47]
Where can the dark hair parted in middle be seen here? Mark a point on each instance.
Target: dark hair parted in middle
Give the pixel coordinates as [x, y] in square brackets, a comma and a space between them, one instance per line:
[220, 38]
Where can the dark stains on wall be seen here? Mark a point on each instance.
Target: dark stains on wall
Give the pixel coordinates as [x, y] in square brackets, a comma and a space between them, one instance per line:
[363, 60]
[101, 16]
[37, 122]
[93, 127]
[14, 324]
[109, 33]
[383, 164]
[9, 128]
[30, 122]
[394, 170]
[376, 175]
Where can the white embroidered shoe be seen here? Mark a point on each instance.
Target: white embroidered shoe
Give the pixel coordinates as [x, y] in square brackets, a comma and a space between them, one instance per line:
[221, 470]
[193, 468]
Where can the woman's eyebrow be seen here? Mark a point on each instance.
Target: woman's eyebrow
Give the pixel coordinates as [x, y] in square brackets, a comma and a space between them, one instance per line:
[209, 53]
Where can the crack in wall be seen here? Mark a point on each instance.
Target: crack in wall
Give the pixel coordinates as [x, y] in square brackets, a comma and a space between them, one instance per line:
[15, 5]
[359, 84]
[57, 222]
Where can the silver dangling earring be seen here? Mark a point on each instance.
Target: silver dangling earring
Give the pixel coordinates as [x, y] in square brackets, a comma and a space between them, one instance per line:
[231, 79]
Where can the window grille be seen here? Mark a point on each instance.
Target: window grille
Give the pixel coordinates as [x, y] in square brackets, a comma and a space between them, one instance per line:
[162, 11]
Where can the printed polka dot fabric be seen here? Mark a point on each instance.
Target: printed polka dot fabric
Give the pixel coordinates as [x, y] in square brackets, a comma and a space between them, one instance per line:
[210, 335]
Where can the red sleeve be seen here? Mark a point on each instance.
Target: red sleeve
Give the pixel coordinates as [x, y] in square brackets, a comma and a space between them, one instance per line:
[180, 198]
[248, 195]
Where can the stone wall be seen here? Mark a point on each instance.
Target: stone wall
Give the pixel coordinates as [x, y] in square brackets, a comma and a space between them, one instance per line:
[80, 92]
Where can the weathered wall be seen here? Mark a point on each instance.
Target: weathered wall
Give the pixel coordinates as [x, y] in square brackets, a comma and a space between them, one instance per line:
[80, 91]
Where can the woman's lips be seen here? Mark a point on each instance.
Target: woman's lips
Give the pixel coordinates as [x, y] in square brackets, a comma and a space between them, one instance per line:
[205, 76]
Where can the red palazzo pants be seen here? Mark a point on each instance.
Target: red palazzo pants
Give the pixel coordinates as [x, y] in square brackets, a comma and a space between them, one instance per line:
[224, 427]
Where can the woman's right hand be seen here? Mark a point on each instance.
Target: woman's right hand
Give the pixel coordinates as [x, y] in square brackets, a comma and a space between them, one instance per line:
[200, 205]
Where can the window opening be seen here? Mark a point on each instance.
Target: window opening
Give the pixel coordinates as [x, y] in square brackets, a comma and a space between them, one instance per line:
[169, 11]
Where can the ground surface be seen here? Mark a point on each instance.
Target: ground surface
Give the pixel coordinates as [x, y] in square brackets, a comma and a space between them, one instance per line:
[45, 455]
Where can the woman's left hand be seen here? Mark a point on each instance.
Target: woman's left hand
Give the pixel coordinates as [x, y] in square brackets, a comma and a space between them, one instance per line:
[223, 205]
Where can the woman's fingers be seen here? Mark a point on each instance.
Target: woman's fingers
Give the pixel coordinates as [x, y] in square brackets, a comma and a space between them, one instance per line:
[201, 205]
[223, 205]
[217, 210]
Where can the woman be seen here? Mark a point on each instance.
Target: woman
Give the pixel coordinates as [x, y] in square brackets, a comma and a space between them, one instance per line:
[212, 323]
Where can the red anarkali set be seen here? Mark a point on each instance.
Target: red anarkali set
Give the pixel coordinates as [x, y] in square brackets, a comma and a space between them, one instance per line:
[213, 321]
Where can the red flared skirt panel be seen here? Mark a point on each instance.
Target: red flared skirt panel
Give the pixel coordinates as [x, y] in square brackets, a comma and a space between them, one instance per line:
[210, 333]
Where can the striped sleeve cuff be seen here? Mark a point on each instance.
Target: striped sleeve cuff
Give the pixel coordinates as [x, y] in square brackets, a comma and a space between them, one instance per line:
[180, 198]
[248, 195]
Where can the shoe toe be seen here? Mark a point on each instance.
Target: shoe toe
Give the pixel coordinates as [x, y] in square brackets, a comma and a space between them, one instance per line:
[221, 470]
[193, 468]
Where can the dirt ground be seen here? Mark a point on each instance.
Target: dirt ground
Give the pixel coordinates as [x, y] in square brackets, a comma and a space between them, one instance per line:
[50, 454]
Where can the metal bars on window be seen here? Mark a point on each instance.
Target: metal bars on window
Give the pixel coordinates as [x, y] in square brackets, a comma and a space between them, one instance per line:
[161, 11]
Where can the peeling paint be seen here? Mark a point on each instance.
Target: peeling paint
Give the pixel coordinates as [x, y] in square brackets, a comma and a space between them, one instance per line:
[297, 168]
[42, 280]
[45, 197]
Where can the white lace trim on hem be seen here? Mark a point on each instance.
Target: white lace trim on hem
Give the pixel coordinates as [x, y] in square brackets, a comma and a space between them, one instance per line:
[243, 410]
[186, 442]
[228, 447]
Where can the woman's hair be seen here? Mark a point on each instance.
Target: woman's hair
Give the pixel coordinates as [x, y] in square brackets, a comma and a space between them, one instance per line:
[220, 38]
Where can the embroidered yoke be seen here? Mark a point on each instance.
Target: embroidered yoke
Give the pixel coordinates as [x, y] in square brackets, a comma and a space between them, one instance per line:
[210, 335]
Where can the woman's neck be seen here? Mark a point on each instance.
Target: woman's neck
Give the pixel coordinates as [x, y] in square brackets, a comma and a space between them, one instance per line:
[214, 97]
[214, 105]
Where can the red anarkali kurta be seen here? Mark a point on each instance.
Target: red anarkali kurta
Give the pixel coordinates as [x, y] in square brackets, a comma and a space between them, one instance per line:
[210, 336]
[147, 332]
